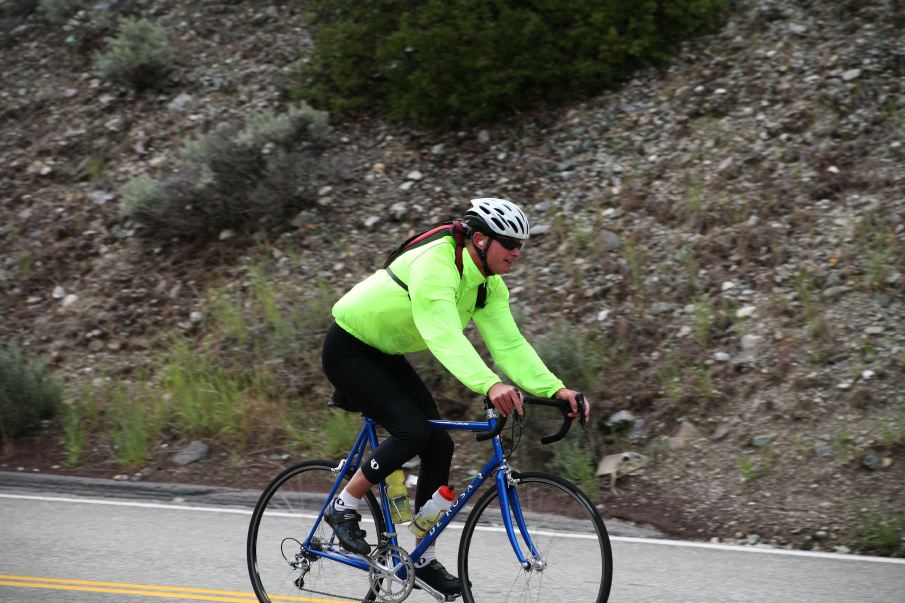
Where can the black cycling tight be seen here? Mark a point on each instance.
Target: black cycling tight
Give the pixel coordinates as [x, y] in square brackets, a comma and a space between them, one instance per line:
[387, 389]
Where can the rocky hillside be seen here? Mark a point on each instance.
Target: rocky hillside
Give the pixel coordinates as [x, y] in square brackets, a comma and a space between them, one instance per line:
[731, 227]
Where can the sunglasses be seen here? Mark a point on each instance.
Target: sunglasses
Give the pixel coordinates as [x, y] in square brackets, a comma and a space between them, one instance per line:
[510, 244]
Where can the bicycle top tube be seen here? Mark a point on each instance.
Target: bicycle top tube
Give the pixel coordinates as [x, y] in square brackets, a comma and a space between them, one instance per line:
[445, 425]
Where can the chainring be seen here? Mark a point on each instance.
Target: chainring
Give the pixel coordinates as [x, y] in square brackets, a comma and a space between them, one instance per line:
[392, 573]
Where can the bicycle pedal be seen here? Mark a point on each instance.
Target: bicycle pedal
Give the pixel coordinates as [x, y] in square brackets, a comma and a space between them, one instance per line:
[419, 585]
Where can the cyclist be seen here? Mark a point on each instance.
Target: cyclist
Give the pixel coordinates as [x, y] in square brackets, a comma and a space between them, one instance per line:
[424, 301]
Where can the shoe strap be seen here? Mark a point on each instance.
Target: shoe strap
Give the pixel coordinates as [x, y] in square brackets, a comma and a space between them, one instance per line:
[350, 515]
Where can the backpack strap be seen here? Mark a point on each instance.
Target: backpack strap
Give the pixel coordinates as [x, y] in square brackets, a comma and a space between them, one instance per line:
[441, 230]
[481, 301]
[458, 231]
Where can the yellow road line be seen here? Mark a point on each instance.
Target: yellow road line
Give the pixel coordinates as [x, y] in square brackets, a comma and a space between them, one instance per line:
[147, 590]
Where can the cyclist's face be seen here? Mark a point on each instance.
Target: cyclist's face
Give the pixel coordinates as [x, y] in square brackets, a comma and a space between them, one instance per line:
[499, 257]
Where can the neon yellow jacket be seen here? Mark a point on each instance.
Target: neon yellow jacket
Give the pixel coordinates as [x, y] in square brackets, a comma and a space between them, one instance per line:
[379, 312]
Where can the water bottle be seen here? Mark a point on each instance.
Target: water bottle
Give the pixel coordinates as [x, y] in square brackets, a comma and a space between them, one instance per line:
[431, 511]
[397, 493]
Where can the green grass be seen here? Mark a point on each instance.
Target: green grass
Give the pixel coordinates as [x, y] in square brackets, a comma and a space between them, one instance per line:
[877, 245]
[635, 263]
[881, 530]
[130, 419]
[340, 430]
[893, 430]
[573, 458]
[250, 378]
[75, 435]
[657, 449]
[754, 467]
[670, 376]
[227, 315]
[692, 272]
[696, 208]
[702, 382]
[206, 396]
[808, 295]
[132, 433]
[267, 295]
[26, 264]
[575, 354]
[846, 447]
[81, 418]
[93, 168]
[704, 317]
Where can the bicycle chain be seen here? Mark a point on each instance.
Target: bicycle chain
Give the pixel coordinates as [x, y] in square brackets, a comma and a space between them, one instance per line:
[343, 597]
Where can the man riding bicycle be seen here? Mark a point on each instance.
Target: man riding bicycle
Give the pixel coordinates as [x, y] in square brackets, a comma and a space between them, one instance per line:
[423, 300]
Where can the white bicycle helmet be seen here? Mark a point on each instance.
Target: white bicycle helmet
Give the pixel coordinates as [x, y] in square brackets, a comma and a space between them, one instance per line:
[498, 216]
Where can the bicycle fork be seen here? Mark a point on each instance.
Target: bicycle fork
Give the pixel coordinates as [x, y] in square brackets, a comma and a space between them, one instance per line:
[510, 508]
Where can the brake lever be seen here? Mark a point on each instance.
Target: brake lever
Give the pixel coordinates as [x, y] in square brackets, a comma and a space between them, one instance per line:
[581, 410]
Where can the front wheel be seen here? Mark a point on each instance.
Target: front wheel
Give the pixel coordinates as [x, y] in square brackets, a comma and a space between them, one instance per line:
[571, 558]
[279, 567]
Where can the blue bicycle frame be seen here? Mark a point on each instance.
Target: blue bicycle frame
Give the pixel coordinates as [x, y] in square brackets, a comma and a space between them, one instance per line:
[509, 503]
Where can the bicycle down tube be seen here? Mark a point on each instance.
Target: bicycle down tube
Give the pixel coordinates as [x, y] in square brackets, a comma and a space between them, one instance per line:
[496, 463]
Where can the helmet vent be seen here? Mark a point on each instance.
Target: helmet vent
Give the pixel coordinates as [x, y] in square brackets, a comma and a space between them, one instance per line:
[498, 216]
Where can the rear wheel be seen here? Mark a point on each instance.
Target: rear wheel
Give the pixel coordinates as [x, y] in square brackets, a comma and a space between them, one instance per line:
[573, 561]
[278, 565]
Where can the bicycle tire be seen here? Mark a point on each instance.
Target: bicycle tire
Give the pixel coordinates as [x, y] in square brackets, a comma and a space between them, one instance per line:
[282, 519]
[568, 534]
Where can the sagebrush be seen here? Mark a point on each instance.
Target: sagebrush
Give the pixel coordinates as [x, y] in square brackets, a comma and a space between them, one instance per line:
[58, 11]
[140, 54]
[242, 179]
[28, 393]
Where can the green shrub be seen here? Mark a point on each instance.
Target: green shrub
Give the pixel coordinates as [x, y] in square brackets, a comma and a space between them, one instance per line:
[58, 11]
[141, 194]
[140, 54]
[28, 394]
[242, 179]
[442, 62]
[17, 8]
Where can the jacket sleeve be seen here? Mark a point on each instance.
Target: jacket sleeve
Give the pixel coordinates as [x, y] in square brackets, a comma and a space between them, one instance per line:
[509, 348]
[433, 281]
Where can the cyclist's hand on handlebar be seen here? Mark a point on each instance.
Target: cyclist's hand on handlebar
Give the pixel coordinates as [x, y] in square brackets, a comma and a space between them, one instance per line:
[569, 395]
[505, 398]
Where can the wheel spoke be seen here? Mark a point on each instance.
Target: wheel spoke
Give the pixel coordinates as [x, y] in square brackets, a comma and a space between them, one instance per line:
[284, 518]
[574, 562]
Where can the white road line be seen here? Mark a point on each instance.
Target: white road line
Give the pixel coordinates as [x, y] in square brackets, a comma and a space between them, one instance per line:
[626, 539]
[126, 503]
[753, 549]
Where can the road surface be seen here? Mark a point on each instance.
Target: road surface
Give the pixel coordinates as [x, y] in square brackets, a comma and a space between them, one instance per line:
[114, 544]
